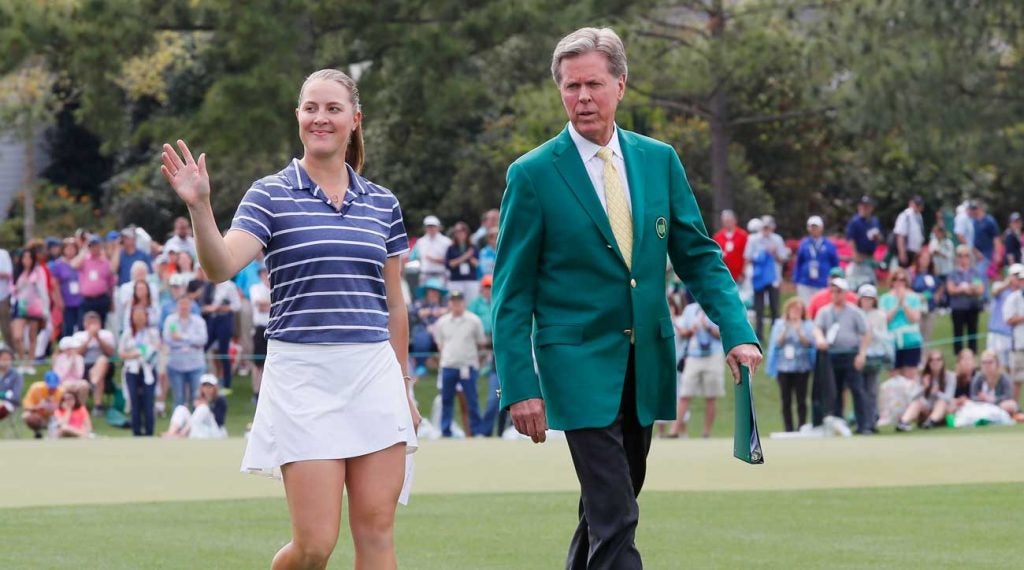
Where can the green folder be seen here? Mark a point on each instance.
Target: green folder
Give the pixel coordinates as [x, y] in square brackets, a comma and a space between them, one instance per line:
[746, 444]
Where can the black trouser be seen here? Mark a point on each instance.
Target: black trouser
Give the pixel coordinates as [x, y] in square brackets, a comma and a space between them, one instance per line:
[773, 304]
[141, 396]
[823, 389]
[846, 375]
[793, 384]
[965, 320]
[611, 464]
[99, 304]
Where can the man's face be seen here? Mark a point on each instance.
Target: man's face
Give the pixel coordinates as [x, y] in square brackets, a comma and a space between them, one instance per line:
[491, 219]
[432, 230]
[181, 227]
[5, 361]
[590, 95]
[485, 292]
[458, 306]
[128, 242]
[728, 221]
[838, 295]
[865, 210]
[92, 324]
[815, 230]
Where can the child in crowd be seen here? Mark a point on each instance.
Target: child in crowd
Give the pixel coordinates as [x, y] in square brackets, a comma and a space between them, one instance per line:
[72, 417]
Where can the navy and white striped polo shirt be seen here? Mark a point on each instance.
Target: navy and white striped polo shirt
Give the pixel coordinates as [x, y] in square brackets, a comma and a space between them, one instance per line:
[326, 267]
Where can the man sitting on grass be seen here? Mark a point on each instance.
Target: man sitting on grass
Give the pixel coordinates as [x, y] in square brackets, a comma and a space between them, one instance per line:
[208, 415]
[40, 402]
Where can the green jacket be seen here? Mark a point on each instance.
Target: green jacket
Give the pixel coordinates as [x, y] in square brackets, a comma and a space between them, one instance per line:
[562, 290]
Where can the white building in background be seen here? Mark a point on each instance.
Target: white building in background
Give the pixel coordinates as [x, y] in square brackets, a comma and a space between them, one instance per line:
[12, 164]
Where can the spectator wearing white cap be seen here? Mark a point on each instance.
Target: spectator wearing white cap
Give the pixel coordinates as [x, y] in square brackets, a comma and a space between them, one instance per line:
[841, 329]
[68, 363]
[431, 250]
[815, 258]
[909, 232]
[1013, 314]
[206, 421]
[765, 252]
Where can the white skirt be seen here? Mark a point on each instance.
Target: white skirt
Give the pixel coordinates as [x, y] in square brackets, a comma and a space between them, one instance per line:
[329, 402]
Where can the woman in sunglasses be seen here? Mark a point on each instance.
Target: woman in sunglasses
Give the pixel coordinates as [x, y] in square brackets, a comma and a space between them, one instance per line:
[903, 308]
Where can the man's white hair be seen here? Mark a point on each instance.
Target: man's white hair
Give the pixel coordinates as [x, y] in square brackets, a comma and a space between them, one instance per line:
[585, 40]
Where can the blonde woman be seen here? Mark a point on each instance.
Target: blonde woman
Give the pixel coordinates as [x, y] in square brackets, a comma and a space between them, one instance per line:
[792, 342]
[333, 242]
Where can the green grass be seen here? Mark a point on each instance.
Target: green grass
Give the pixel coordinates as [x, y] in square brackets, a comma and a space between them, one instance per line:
[922, 527]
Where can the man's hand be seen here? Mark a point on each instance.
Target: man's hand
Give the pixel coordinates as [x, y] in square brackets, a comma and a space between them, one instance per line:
[746, 354]
[529, 418]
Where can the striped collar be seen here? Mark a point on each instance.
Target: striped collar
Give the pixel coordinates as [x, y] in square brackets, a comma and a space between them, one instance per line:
[299, 179]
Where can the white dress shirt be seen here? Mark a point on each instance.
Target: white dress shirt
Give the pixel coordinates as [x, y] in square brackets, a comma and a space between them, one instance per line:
[595, 166]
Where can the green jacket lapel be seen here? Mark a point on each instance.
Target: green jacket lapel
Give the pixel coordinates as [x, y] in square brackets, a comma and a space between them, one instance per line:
[633, 156]
[574, 173]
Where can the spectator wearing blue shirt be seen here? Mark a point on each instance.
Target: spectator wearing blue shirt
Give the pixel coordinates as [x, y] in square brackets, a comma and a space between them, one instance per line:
[488, 253]
[125, 254]
[865, 233]
[177, 283]
[246, 278]
[815, 258]
[986, 234]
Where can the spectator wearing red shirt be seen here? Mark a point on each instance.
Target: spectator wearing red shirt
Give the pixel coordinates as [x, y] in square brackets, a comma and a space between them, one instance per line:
[732, 240]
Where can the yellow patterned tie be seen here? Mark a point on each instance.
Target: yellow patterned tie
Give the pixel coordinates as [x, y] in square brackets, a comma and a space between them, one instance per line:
[618, 209]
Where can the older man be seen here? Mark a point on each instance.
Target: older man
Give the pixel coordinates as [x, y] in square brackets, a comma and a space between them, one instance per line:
[732, 240]
[587, 220]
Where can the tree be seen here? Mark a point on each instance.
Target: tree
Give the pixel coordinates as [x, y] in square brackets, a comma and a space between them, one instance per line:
[739, 71]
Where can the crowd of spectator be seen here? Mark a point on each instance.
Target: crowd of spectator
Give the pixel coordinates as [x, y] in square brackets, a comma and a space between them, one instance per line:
[125, 327]
[840, 336]
[132, 325]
